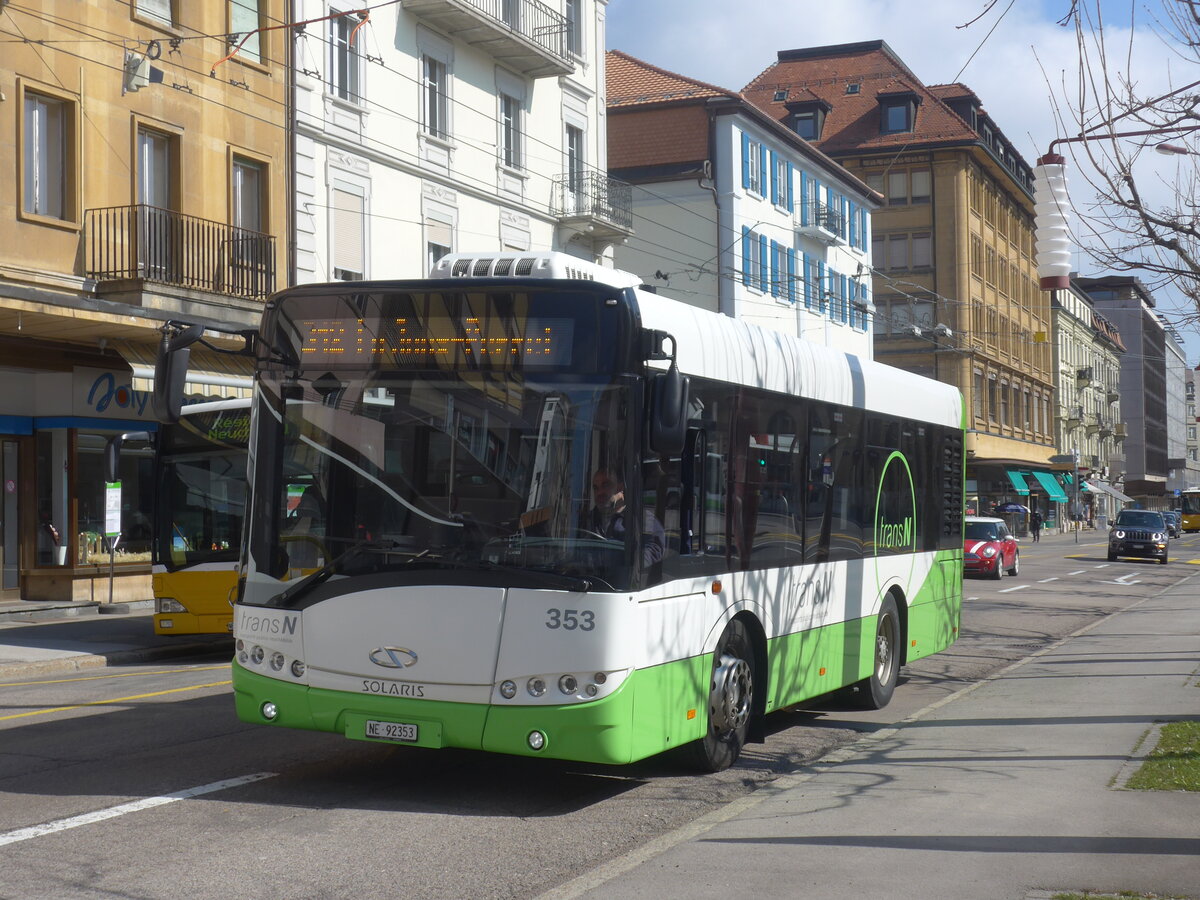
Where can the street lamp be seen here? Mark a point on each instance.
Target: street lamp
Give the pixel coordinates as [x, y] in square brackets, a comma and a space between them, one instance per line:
[1173, 150]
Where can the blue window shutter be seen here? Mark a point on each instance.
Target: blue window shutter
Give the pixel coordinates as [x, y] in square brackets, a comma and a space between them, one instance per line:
[746, 274]
[803, 197]
[774, 268]
[774, 178]
[822, 299]
[790, 171]
[808, 285]
[843, 294]
[791, 275]
[842, 206]
[745, 161]
[862, 229]
[762, 169]
[853, 215]
[854, 313]
[763, 262]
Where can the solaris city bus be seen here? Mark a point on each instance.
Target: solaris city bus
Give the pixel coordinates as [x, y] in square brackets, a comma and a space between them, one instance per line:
[200, 468]
[790, 519]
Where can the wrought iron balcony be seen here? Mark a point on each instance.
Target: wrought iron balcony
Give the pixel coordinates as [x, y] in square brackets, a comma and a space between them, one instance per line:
[821, 221]
[146, 243]
[592, 202]
[525, 35]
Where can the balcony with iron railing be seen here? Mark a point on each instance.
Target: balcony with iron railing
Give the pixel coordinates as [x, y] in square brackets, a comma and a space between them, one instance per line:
[146, 243]
[525, 35]
[591, 202]
[819, 220]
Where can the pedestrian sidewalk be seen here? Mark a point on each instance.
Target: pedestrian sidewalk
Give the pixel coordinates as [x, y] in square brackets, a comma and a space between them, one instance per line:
[47, 638]
[1009, 789]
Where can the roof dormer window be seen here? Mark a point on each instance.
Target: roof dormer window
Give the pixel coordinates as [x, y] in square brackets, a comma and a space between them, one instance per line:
[898, 112]
[853, 87]
[807, 117]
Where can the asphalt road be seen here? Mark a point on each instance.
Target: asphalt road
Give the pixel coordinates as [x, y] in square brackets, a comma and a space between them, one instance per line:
[139, 781]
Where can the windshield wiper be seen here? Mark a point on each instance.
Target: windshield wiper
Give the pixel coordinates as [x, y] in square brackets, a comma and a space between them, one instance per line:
[323, 574]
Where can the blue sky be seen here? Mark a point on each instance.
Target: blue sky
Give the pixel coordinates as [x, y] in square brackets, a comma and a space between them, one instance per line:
[1016, 58]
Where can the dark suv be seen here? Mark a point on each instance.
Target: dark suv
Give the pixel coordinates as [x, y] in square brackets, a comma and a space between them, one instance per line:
[1174, 523]
[1138, 532]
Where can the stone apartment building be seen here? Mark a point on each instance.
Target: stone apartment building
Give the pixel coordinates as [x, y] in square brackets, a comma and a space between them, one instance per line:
[147, 150]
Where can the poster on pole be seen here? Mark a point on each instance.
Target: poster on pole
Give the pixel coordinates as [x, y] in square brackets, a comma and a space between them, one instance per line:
[112, 509]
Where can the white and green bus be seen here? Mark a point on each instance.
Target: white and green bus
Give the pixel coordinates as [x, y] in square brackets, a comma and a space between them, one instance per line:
[791, 522]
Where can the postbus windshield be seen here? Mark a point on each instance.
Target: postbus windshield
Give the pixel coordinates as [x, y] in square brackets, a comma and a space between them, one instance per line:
[202, 487]
[438, 437]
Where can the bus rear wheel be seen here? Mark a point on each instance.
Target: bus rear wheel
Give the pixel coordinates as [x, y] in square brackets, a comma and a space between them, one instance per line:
[876, 692]
[730, 700]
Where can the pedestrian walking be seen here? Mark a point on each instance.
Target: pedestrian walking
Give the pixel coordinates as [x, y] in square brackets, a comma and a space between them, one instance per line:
[1035, 525]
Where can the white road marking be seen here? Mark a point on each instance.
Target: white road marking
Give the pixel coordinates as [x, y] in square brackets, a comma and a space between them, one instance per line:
[24, 834]
[1076, 572]
[1047, 580]
[1101, 566]
[1019, 587]
[1122, 580]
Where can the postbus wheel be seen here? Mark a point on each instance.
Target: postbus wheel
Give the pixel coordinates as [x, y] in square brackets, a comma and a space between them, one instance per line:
[876, 692]
[730, 700]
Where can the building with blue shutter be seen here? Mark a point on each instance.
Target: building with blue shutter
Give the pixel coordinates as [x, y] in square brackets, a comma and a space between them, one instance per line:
[736, 213]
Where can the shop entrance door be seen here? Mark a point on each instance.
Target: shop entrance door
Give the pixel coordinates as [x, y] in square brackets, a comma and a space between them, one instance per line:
[9, 560]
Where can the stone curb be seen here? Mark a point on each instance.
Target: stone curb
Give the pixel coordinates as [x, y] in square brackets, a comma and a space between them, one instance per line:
[83, 662]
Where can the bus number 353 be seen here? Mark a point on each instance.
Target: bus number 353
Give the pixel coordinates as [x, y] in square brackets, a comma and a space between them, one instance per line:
[570, 619]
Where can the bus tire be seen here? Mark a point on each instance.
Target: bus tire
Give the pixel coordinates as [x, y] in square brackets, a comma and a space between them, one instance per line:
[876, 692]
[730, 702]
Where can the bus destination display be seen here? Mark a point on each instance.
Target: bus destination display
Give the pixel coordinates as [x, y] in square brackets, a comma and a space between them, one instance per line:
[471, 342]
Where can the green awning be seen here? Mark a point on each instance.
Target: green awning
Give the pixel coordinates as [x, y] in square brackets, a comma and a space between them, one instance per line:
[1018, 482]
[1046, 480]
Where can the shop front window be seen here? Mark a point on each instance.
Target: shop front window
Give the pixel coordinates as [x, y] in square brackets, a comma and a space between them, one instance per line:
[52, 511]
[136, 475]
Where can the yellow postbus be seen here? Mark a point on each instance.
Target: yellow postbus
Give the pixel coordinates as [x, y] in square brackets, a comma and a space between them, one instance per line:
[200, 508]
[1190, 504]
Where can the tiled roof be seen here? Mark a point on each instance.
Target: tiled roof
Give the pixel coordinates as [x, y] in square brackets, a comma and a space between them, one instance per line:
[853, 122]
[632, 82]
[661, 119]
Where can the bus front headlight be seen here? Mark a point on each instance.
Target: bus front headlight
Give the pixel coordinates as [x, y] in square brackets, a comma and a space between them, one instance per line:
[168, 605]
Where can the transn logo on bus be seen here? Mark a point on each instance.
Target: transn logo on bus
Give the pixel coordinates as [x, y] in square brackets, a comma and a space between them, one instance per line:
[285, 625]
[393, 657]
[893, 536]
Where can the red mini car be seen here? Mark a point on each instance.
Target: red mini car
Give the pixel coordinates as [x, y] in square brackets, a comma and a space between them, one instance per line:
[989, 548]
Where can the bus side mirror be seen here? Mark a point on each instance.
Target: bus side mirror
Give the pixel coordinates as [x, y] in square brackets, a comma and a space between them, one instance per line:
[170, 371]
[668, 412]
[112, 457]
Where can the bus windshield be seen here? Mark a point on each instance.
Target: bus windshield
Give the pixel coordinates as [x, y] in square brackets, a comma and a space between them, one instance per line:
[413, 475]
[202, 488]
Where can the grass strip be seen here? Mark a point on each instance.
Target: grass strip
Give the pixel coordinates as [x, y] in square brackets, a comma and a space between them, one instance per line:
[1173, 765]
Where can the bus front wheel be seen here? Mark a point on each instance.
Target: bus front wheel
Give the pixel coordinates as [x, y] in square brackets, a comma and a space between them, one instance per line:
[876, 692]
[730, 700]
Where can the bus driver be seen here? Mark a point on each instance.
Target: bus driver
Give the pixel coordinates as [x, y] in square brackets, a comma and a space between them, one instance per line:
[607, 516]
